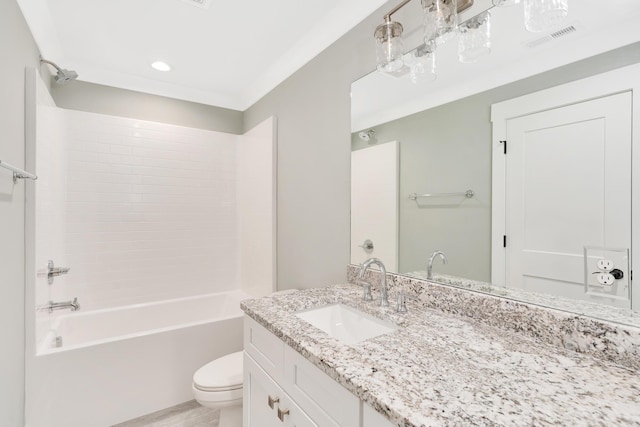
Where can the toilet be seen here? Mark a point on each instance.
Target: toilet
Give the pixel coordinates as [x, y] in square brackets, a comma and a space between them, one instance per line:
[218, 384]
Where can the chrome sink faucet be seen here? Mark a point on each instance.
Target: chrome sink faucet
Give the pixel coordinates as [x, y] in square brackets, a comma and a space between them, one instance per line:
[430, 266]
[384, 297]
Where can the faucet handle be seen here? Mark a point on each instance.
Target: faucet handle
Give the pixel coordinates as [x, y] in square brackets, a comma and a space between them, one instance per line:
[402, 301]
[366, 287]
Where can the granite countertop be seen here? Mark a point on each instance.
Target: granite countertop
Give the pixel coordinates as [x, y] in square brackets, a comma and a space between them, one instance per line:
[443, 369]
[588, 308]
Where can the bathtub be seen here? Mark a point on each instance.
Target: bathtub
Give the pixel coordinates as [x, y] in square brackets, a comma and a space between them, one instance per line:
[102, 367]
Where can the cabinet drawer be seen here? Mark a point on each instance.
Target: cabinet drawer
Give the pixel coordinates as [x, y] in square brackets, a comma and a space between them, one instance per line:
[325, 401]
[264, 347]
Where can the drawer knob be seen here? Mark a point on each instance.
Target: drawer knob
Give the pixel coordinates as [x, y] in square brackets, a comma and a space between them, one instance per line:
[281, 414]
[272, 401]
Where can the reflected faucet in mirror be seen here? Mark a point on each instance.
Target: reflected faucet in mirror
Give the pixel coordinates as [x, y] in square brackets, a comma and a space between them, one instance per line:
[384, 297]
[430, 266]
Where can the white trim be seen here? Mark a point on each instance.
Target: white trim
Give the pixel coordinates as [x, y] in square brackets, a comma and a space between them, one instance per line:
[605, 84]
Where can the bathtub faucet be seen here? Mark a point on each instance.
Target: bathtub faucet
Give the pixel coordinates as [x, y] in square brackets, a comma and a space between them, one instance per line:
[73, 305]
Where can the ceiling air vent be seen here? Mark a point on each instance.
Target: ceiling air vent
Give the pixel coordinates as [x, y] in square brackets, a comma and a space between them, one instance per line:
[550, 37]
[203, 4]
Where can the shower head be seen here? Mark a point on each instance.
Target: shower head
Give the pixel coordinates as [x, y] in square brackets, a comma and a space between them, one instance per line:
[366, 135]
[62, 76]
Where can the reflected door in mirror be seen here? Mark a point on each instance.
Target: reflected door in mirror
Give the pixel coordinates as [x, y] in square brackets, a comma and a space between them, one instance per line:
[374, 204]
[568, 186]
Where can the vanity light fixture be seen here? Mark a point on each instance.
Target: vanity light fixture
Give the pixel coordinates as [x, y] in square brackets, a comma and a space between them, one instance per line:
[440, 20]
[474, 38]
[441, 24]
[161, 66]
[389, 47]
[540, 15]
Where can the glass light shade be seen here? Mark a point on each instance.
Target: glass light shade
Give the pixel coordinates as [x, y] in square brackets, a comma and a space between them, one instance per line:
[474, 40]
[505, 3]
[540, 15]
[422, 65]
[440, 20]
[389, 48]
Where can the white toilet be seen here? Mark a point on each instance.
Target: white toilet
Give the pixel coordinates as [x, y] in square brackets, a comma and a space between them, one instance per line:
[218, 384]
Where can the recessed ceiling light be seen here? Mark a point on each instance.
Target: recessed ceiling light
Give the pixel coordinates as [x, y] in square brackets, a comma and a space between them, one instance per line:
[161, 66]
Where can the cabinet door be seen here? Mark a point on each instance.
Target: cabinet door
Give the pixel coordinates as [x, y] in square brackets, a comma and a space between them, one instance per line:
[265, 403]
[260, 397]
[322, 398]
[370, 418]
[295, 417]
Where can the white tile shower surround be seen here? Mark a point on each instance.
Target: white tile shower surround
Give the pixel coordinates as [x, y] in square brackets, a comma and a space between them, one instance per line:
[141, 211]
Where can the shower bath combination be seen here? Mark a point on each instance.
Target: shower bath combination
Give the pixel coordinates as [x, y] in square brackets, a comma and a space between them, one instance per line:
[62, 76]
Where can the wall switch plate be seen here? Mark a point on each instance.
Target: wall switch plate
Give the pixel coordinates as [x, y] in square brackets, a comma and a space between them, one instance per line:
[605, 265]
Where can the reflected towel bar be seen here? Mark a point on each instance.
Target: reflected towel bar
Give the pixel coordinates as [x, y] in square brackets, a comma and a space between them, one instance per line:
[468, 194]
[17, 173]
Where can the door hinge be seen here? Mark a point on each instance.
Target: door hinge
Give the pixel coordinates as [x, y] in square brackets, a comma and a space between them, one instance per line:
[504, 145]
[504, 241]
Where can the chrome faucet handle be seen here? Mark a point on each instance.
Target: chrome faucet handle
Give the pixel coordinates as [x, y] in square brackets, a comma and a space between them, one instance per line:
[402, 301]
[52, 271]
[366, 287]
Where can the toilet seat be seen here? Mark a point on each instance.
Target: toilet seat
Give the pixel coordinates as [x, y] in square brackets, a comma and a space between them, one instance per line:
[221, 375]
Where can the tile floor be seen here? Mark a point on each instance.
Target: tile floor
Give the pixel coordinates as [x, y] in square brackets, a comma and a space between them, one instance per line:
[188, 414]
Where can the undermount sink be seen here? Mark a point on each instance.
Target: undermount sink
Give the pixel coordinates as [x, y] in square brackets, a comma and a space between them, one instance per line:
[345, 323]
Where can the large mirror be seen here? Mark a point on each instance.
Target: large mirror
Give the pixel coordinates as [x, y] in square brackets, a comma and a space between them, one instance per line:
[424, 164]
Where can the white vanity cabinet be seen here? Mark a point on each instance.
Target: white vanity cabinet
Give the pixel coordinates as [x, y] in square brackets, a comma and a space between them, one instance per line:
[282, 388]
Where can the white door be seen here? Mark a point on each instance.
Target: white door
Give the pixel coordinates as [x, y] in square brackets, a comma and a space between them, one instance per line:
[374, 204]
[568, 186]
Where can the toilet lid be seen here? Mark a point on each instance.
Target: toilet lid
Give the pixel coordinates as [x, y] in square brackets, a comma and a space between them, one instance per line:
[224, 373]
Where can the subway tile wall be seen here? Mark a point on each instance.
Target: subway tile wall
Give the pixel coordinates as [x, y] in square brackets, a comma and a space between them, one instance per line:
[149, 210]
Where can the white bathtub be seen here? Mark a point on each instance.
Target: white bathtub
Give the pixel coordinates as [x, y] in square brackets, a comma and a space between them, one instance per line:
[117, 364]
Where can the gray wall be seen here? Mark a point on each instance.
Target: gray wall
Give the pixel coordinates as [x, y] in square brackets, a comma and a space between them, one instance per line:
[313, 109]
[447, 149]
[136, 105]
[17, 50]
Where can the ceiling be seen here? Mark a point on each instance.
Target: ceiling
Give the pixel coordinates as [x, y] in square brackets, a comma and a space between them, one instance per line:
[228, 53]
[515, 54]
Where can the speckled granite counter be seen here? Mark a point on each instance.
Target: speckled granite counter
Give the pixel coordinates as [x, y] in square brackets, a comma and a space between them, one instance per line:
[585, 308]
[441, 369]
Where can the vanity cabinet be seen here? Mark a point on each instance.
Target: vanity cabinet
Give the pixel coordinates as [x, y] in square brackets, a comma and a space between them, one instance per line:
[283, 388]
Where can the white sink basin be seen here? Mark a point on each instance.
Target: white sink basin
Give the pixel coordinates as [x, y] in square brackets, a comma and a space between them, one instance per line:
[345, 323]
